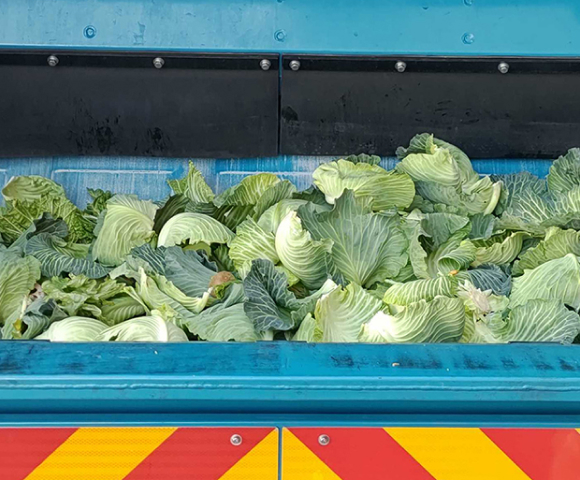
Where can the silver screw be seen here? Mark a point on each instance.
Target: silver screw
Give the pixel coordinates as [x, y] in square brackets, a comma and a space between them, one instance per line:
[236, 440]
[52, 60]
[158, 62]
[400, 67]
[294, 65]
[324, 440]
[265, 64]
[503, 67]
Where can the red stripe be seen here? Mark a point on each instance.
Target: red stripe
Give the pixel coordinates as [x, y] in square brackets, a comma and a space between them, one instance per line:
[24, 449]
[197, 453]
[543, 454]
[362, 454]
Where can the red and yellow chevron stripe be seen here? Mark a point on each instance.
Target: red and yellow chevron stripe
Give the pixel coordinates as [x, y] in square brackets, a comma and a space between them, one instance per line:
[430, 454]
[139, 453]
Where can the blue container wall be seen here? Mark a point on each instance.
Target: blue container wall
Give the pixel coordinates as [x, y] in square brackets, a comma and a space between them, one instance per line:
[147, 176]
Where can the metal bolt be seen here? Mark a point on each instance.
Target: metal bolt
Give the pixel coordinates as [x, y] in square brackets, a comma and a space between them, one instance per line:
[295, 65]
[90, 31]
[400, 67]
[468, 2]
[503, 67]
[280, 35]
[52, 60]
[158, 62]
[324, 440]
[236, 440]
[265, 64]
[468, 38]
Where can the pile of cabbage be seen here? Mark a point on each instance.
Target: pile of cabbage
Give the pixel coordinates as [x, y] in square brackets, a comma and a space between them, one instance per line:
[427, 252]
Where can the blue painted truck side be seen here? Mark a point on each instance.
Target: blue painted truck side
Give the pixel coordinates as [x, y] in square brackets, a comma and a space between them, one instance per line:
[282, 383]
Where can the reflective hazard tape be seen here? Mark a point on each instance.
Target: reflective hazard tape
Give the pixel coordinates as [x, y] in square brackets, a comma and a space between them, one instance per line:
[430, 454]
[140, 453]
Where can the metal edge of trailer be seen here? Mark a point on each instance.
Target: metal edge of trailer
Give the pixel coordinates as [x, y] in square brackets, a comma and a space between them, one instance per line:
[294, 383]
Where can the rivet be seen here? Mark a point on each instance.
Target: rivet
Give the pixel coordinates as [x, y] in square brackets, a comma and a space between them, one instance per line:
[468, 38]
[295, 65]
[280, 35]
[52, 61]
[400, 67]
[469, 3]
[503, 67]
[158, 62]
[265, 64]
[90, 31]
[236, 440]
[324, 440]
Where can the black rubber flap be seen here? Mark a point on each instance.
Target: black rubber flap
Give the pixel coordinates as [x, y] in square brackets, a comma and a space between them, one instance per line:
[340, 105]
[121, 104]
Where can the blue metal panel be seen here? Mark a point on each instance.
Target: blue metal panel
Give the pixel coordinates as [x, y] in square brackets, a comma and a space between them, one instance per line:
[294, 383]
[147, 177]
[453, 27]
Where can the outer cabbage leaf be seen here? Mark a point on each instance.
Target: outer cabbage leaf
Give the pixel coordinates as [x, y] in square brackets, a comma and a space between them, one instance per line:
[121, 308]
[32, 320]
[269, 302]
[556, 244]
[441, 320]
[194, 228]
[410, 292]
[536, 321]
[386, 189]
[193, 186]
[17, 278]
[151, 328]
[516, 184]
[557, 279]
[283, 190]
[499, 250]
[303, 256]
[57, 256]
[226, 321]
[79, 295]
[248, 191]
[189, 271]
[126, 223]
[489, 277]
[565, 172]
[29, 197]
[74, 329]
[368, 247]
[341, 313]
[251, 243]
[308, 330]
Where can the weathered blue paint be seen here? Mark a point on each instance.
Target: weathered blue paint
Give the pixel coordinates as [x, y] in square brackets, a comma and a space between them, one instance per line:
[296, 383]
[444, 27]
[147, 176]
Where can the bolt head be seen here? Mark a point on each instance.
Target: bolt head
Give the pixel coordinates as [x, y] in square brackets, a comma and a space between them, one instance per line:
[158, 62]
[52, 61]
[400, 67]
[236, 440]
[265, 64]
[295, 65]
[90, 31]
[324, 440]
[503, 67]
[468, 38]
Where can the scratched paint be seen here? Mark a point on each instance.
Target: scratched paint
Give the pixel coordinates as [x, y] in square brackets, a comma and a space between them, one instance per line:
[148, 177]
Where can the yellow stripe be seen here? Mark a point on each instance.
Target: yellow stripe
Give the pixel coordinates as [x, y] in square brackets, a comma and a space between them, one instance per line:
[457, 453]
[299, 463]
[260, 463]
[100, 453]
